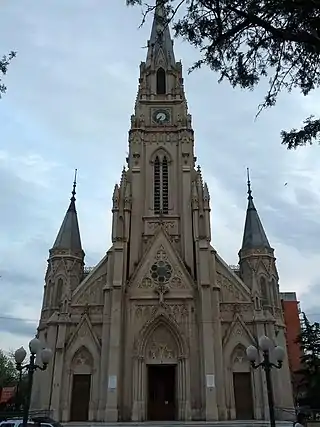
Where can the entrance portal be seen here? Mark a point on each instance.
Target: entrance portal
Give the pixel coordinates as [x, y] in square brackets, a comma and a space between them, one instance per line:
[80, 397]
[243, 395]
[161, 392]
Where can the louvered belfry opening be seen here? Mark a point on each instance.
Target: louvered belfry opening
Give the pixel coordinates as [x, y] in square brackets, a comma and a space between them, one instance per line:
[161, 81]
[161, 184]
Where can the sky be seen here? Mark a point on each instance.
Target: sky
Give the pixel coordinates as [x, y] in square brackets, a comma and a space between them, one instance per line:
[71, 91]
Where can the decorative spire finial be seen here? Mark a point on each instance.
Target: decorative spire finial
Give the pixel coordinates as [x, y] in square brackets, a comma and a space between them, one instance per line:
[73, 198]
[249, 185]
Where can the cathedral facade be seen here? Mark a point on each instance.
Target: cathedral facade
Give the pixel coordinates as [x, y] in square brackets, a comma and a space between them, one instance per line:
[158, 329]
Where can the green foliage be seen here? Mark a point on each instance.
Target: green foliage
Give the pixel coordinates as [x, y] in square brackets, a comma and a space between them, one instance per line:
[246, 41]
[309, 340]
[4, 63]
[8, 371]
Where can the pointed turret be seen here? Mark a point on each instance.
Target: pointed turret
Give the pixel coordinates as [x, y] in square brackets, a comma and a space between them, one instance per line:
[160, 39]
[68, 237]
[254, 236]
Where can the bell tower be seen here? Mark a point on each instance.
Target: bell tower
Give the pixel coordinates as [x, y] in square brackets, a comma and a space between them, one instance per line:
[161, 150]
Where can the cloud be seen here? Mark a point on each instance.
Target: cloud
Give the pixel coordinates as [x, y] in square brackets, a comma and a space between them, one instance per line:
[71, 91]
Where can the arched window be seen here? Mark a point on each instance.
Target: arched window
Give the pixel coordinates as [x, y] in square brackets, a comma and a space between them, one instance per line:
[161, 81]
[264, 291]
[161, 183]
[274, 290]
[47, 301]
[59, 291]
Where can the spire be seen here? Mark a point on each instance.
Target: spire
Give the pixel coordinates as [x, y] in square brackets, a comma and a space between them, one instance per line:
[254, 236]
[69, 234]
[160, 38]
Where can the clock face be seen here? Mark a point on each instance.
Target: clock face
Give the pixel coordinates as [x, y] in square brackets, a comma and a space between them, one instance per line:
[161, 116]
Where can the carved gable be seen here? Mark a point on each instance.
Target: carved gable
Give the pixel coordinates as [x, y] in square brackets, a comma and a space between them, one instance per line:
[83, 334]
[161, 271]
[238, 333]
[232, 288]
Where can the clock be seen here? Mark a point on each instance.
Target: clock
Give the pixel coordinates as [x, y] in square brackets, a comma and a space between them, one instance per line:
[161, 116]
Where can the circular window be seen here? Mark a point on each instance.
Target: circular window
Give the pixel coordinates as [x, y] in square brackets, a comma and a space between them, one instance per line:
[161, 271]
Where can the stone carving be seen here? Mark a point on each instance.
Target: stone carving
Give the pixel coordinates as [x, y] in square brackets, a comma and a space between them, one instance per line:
[160, 351]
[82, 358]
[93, 294]
[161, 272]
[146, 283]
[176, 283]
[177, 311]
[161, 290]
[243, 307]
[167, 225]
[84, 330]
[229, 289]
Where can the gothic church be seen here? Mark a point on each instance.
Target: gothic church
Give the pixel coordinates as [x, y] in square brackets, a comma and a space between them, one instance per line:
[157, 330]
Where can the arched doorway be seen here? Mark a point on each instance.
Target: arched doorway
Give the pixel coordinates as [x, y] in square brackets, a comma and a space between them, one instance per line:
[242, 385]
[82, 365]
[161, 388]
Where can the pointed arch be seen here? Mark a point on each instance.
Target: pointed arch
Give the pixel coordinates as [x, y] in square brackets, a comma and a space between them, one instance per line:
[161, 160]
[161, 81]
[263, 290]
[238, 359]
[274, 292]
[169, 324]
[82, 361]
[48, 298]
[59, 291]
[82, 358]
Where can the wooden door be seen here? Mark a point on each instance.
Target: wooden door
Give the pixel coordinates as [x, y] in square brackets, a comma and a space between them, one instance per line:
[161, 392]
[80, 397]
[243, 395]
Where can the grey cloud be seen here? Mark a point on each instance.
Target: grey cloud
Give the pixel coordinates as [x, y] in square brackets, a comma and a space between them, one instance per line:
[16, 326]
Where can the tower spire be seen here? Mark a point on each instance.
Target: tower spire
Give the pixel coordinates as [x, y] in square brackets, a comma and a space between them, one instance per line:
[249, 186]
[160, 39]
[68, 237]
[254, 236]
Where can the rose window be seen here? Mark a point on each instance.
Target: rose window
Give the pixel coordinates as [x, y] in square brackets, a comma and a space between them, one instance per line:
[161, 271]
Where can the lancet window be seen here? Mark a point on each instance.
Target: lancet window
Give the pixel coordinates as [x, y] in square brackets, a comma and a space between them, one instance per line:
[161, 81]
[161, 185]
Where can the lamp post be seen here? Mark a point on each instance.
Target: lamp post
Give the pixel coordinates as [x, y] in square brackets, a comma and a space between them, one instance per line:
[266, 346]
[31, 367]
[18, 392]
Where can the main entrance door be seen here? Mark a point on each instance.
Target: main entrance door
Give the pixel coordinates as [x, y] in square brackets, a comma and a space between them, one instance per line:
[80, 397]
[161, 392]
[243, 395]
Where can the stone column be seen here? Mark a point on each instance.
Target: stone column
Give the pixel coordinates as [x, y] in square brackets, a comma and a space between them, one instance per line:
[115, 356]
[104, 354]
[136, 390]
[218, 353]
[58, 372]
[211, 408]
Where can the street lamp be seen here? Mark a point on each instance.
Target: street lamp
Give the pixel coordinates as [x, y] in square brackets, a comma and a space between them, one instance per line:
[265, 345]
[31, 367]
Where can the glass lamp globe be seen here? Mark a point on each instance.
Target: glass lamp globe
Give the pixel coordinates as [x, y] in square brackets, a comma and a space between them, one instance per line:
[252, 353]
[279, 353]
[20, 355]
[265, 343]
[34, 345]
[46, 355]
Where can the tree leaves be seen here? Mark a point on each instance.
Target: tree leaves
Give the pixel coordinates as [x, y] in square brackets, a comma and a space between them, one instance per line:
[8, 371]
[309, 341]
[247, 41]
[4, 63]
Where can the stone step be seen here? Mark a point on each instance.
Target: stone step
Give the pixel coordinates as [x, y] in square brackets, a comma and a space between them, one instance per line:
[230, 423]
